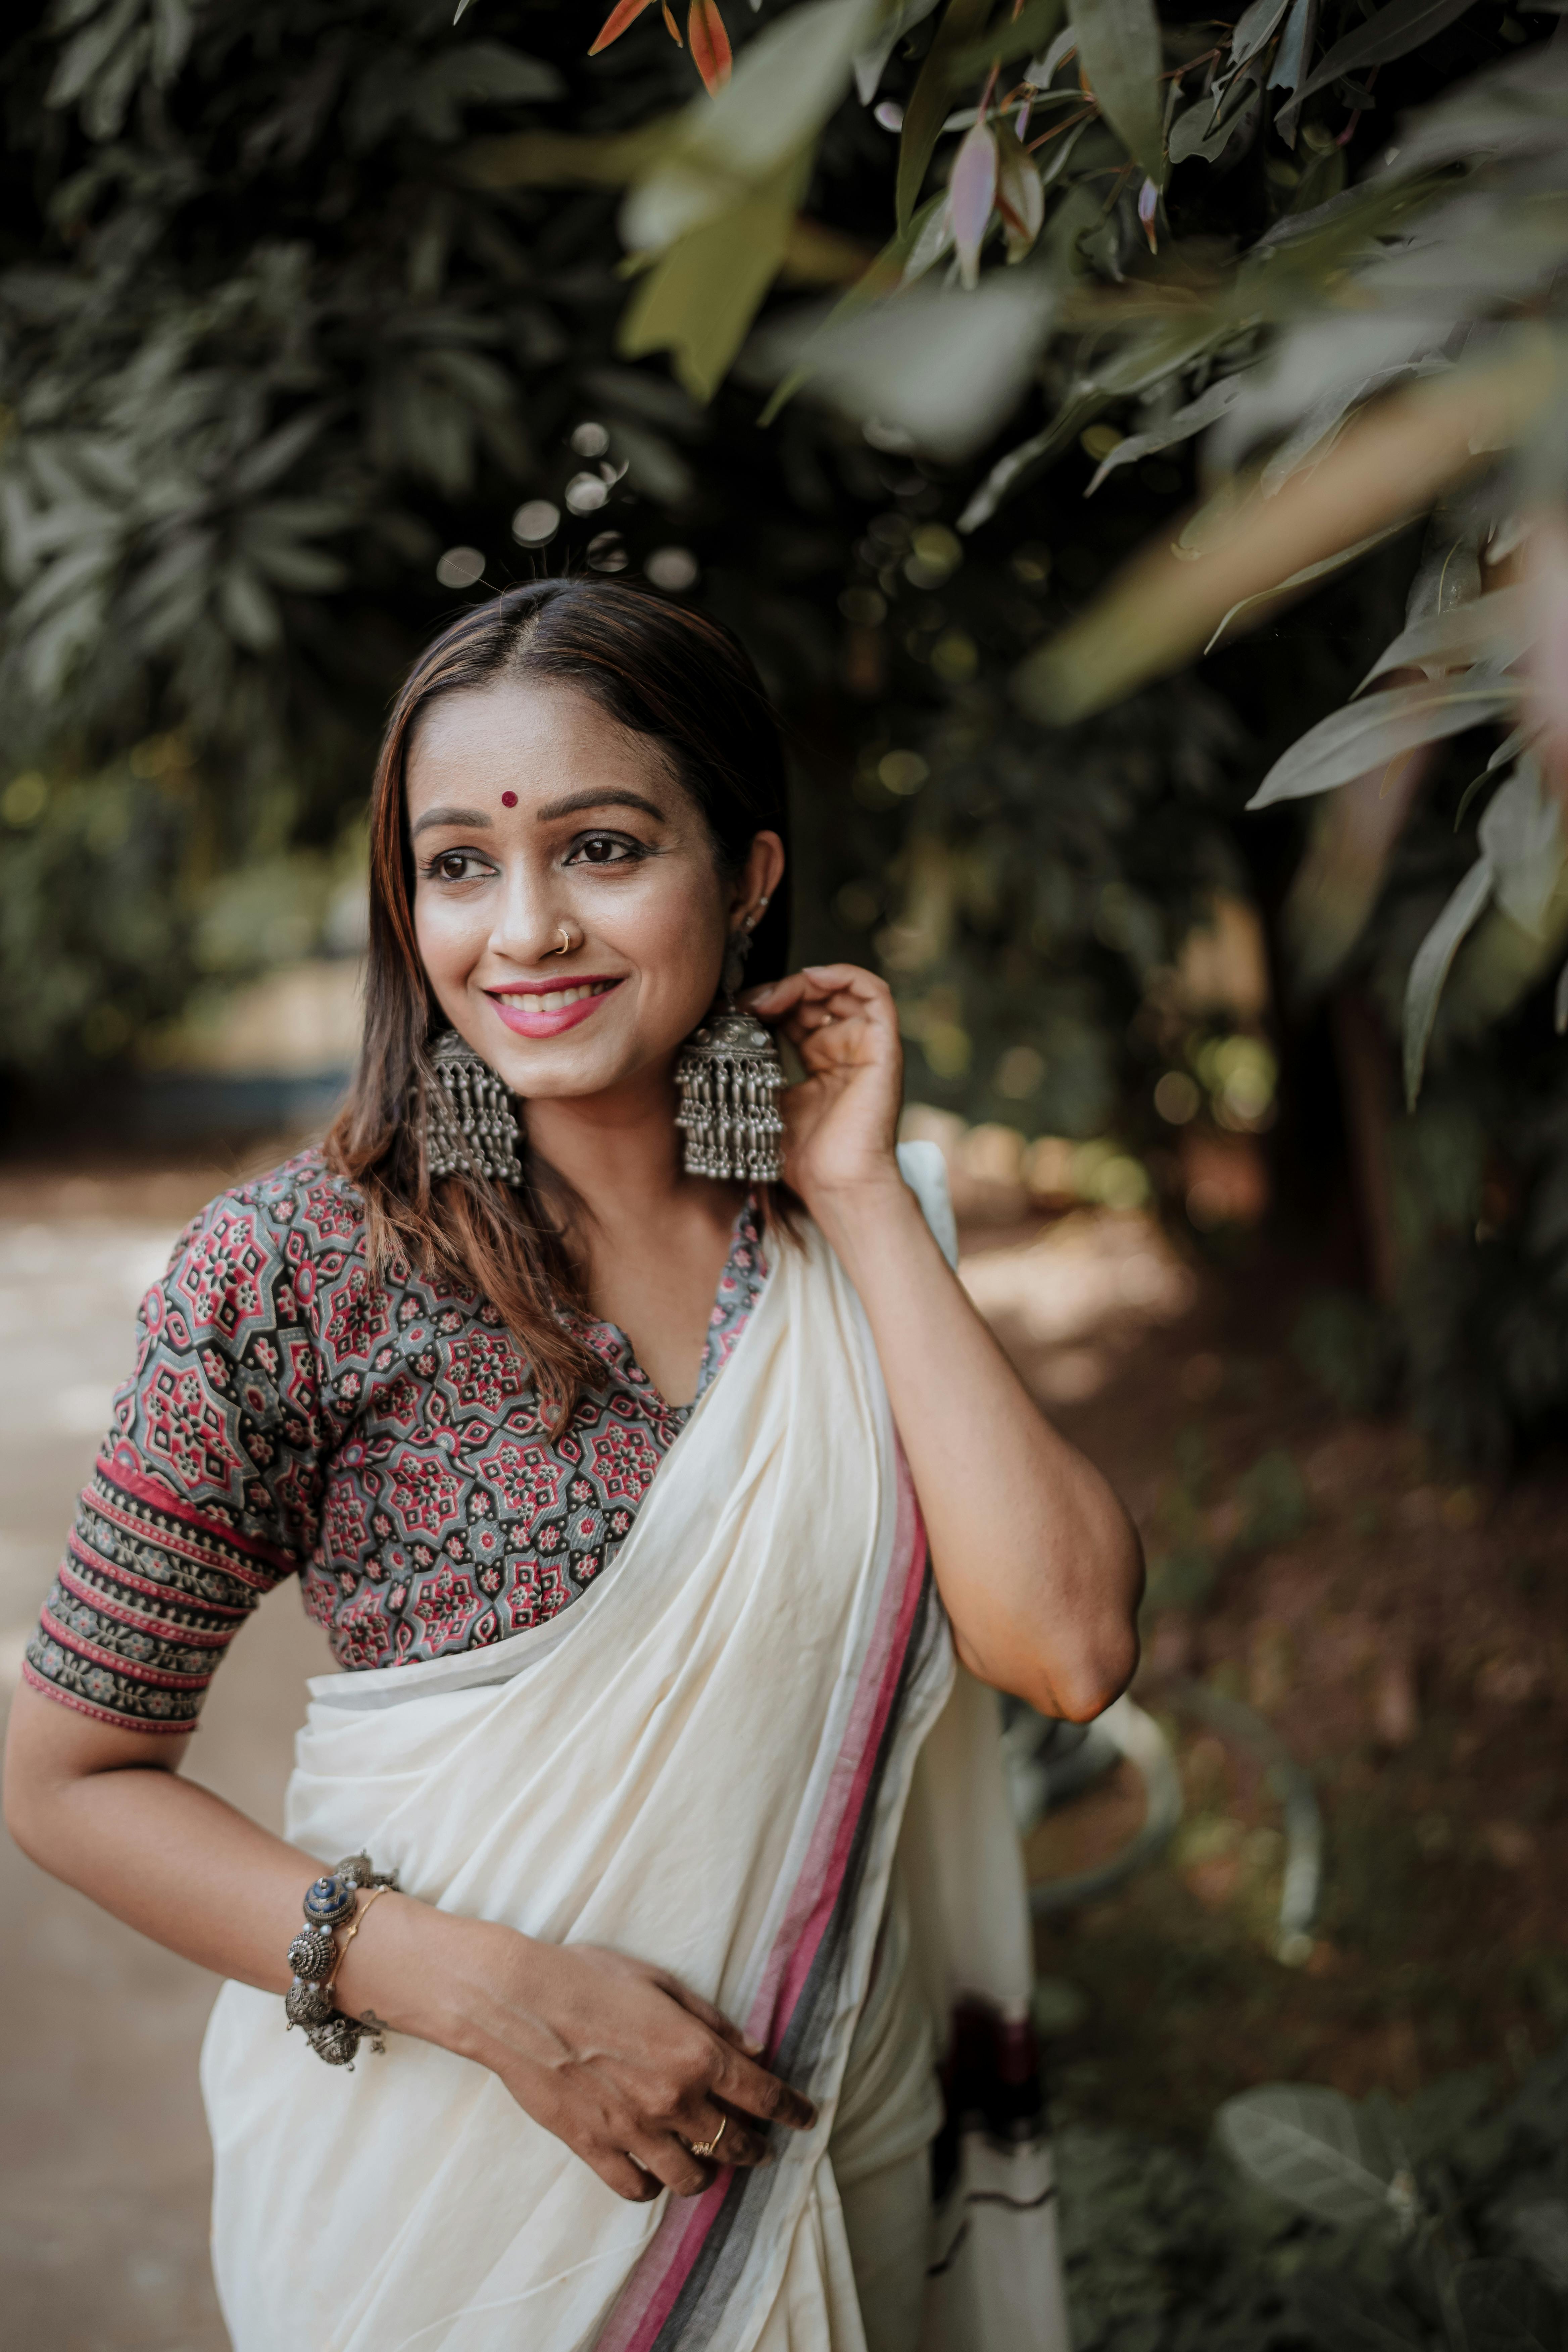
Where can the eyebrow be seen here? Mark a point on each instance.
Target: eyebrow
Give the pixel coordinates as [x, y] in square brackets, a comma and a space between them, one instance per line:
[451, 816]
[575, 802]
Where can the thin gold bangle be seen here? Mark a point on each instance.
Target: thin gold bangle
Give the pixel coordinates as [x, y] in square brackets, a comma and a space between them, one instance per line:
[361, 1907]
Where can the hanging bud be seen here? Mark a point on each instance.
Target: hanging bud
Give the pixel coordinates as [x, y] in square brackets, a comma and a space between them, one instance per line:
[1148, 213]
[971, 195]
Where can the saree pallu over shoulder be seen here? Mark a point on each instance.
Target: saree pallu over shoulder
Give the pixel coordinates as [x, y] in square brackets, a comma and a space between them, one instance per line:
[704, 1762]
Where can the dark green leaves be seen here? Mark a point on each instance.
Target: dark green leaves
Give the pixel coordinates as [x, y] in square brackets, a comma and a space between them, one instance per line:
[1392, 33]
[1507, 2307]
[1119, 49]
[927, 110]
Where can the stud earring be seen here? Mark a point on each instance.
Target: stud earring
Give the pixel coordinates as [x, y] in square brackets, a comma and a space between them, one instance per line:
[727, 1075]
[470, 1127]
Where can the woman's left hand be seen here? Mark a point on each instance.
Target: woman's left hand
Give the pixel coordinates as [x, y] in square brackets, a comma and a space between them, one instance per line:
[841, 1121]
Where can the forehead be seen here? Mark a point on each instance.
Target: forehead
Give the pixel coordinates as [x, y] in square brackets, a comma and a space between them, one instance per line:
[539, 738]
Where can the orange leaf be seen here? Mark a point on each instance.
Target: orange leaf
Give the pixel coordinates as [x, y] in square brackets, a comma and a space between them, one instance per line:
[670, 27]
[709, 45]
[625, 12]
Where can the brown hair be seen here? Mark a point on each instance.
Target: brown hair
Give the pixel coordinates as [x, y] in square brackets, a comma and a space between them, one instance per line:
[662, 671]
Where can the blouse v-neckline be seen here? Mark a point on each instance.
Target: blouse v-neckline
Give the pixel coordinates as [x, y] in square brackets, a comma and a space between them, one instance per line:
[740, 1280]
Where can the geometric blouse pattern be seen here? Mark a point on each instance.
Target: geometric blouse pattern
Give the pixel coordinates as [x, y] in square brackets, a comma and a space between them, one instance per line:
[287, 1417]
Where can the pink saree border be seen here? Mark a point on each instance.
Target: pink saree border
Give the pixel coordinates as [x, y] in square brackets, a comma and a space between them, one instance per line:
[650, 2294]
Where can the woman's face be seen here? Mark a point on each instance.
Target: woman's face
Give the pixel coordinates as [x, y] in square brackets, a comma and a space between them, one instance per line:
[569, 906]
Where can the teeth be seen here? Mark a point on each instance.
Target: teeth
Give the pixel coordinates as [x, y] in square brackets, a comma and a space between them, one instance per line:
[556, 999]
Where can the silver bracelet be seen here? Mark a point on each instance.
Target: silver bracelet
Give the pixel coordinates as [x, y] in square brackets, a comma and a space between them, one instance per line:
[314, 1957]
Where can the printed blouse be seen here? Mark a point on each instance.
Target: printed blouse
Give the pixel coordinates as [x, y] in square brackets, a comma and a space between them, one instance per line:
[383, 1443]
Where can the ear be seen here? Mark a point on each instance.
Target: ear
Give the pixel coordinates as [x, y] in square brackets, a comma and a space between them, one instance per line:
[758, 878]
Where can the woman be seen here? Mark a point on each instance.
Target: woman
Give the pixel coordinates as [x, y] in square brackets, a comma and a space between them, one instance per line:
[588, 1466]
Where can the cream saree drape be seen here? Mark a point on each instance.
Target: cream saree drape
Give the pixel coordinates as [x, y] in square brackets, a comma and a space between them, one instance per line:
[706, 1761]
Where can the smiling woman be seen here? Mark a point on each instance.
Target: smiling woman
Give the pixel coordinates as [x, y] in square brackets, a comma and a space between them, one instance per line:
[646, 1512]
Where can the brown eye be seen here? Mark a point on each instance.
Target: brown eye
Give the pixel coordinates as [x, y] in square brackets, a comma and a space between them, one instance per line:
[603, 849]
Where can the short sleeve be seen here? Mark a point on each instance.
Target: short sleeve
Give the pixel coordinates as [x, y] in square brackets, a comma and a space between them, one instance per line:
[207, 1491]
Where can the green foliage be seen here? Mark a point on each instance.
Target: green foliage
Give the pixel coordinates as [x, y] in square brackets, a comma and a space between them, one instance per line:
[1319, 2225]
[296, 295]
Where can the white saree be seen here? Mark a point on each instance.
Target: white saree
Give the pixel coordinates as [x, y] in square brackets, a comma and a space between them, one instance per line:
[712, 1760]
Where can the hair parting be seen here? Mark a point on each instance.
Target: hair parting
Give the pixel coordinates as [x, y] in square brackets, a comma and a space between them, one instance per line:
[663, 671]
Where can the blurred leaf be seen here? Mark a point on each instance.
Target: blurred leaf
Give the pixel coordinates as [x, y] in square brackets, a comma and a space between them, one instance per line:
[1508, 2307]
[943, 366]
[1311, 2149]
[1430, 968]
[1521, 836]
[700, 297]
[1349, 2314]
[1387, 465]
[1365, 736]
[1119, 50]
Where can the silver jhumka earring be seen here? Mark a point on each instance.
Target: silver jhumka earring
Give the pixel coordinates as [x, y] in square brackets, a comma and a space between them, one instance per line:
[728, 1074]
[470, 1128]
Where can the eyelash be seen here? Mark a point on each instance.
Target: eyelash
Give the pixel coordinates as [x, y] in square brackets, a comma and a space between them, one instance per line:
[633, 853]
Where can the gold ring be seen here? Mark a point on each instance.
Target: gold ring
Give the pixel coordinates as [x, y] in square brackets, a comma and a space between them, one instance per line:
[710, 2147]
[566, 939]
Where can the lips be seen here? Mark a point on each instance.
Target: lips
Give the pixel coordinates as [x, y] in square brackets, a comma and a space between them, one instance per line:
[547, 1011]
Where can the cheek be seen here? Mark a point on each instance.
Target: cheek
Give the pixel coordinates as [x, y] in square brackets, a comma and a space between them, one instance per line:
[676, 938]
[449, 936]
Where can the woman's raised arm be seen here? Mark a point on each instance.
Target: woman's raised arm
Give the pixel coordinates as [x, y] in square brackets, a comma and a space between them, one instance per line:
[1037, 1563]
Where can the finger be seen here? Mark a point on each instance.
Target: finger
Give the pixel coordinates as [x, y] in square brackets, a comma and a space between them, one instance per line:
[751, 2087]
[626, 2178]
[714, 2019]
[730, 2140]
[674, 2163]
[777, 997]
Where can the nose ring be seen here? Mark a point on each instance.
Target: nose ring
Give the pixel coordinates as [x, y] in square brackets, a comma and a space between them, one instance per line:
[567, 942]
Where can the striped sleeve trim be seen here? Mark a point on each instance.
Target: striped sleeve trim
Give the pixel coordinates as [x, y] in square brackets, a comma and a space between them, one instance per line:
[145, 1602]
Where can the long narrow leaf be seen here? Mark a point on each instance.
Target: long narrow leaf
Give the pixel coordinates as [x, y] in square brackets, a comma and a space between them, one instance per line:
[625, 12]
[1309, 573]
[1497, 626]
[709, 45]
[1119, 49]
[1393, 32]
[1433, 958]
[927, 109]
[1180, 426]
[1522, 837]
[1368, 735]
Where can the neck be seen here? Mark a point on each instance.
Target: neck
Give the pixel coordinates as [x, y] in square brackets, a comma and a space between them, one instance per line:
[619, 1151]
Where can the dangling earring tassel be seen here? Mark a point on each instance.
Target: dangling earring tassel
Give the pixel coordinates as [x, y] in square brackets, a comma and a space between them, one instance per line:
[470, 1128]
[728, 1074]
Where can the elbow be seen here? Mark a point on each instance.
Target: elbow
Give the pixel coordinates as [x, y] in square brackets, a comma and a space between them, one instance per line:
[1086, 1685]
[1091, 1670]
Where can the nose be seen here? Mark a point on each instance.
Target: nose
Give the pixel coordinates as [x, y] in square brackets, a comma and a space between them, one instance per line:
[533, 924]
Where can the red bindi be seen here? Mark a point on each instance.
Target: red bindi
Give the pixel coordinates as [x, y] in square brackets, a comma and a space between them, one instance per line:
[508, 800]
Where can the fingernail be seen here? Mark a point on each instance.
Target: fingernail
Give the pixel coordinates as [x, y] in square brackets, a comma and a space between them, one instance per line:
[753, 2049]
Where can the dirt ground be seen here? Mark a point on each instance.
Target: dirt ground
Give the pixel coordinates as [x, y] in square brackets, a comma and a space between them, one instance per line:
[1406, 1634]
